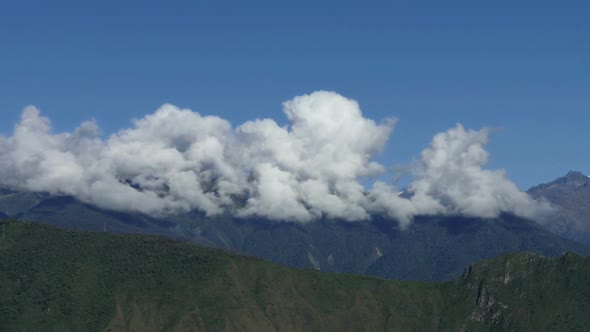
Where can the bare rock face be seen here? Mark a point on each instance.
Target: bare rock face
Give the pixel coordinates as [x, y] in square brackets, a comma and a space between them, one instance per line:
[570, 194]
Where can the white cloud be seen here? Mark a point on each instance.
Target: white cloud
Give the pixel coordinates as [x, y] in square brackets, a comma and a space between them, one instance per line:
[450, 170]
[176, 160]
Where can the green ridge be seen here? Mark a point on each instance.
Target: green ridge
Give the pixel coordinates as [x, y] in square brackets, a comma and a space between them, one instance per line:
[59, 280]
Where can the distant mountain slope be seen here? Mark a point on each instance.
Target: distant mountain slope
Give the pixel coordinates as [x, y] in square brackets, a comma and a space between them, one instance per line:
[14, 202]
[53, 279]
[431, 249]
[68, 212]
[571, 194]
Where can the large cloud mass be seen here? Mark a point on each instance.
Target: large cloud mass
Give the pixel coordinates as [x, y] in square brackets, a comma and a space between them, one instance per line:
[176, 160]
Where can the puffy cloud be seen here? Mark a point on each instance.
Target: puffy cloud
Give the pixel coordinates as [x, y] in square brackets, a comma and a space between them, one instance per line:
[451, 170]
[176, 160]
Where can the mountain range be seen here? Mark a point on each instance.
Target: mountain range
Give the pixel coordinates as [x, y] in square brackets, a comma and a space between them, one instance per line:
[59, 280]
[570, 194]
[432, 248]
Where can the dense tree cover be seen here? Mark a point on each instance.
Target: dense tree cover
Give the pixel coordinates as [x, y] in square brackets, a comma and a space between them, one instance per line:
[52, 279]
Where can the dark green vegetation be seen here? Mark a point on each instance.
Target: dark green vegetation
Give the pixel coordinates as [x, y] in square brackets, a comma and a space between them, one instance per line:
[431, 249]
[52, 279]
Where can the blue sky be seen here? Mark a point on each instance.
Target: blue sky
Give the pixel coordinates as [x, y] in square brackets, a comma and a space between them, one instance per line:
[522, 67]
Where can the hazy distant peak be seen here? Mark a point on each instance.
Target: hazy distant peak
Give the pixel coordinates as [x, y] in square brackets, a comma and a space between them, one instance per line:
[571, 195]
[572, 179]
[576, 176]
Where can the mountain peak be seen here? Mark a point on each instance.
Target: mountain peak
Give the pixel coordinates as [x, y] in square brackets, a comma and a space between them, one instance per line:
[572, 179]
[576, 176]
[570, 194]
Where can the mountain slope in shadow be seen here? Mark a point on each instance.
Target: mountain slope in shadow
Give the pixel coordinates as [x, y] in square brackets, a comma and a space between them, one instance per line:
[432, 248]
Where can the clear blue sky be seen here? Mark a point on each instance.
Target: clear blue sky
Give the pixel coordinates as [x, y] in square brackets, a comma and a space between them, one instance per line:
[520, 66]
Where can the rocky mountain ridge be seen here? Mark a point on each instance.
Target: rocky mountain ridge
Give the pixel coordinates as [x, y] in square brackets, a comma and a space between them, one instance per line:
[570, 195]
